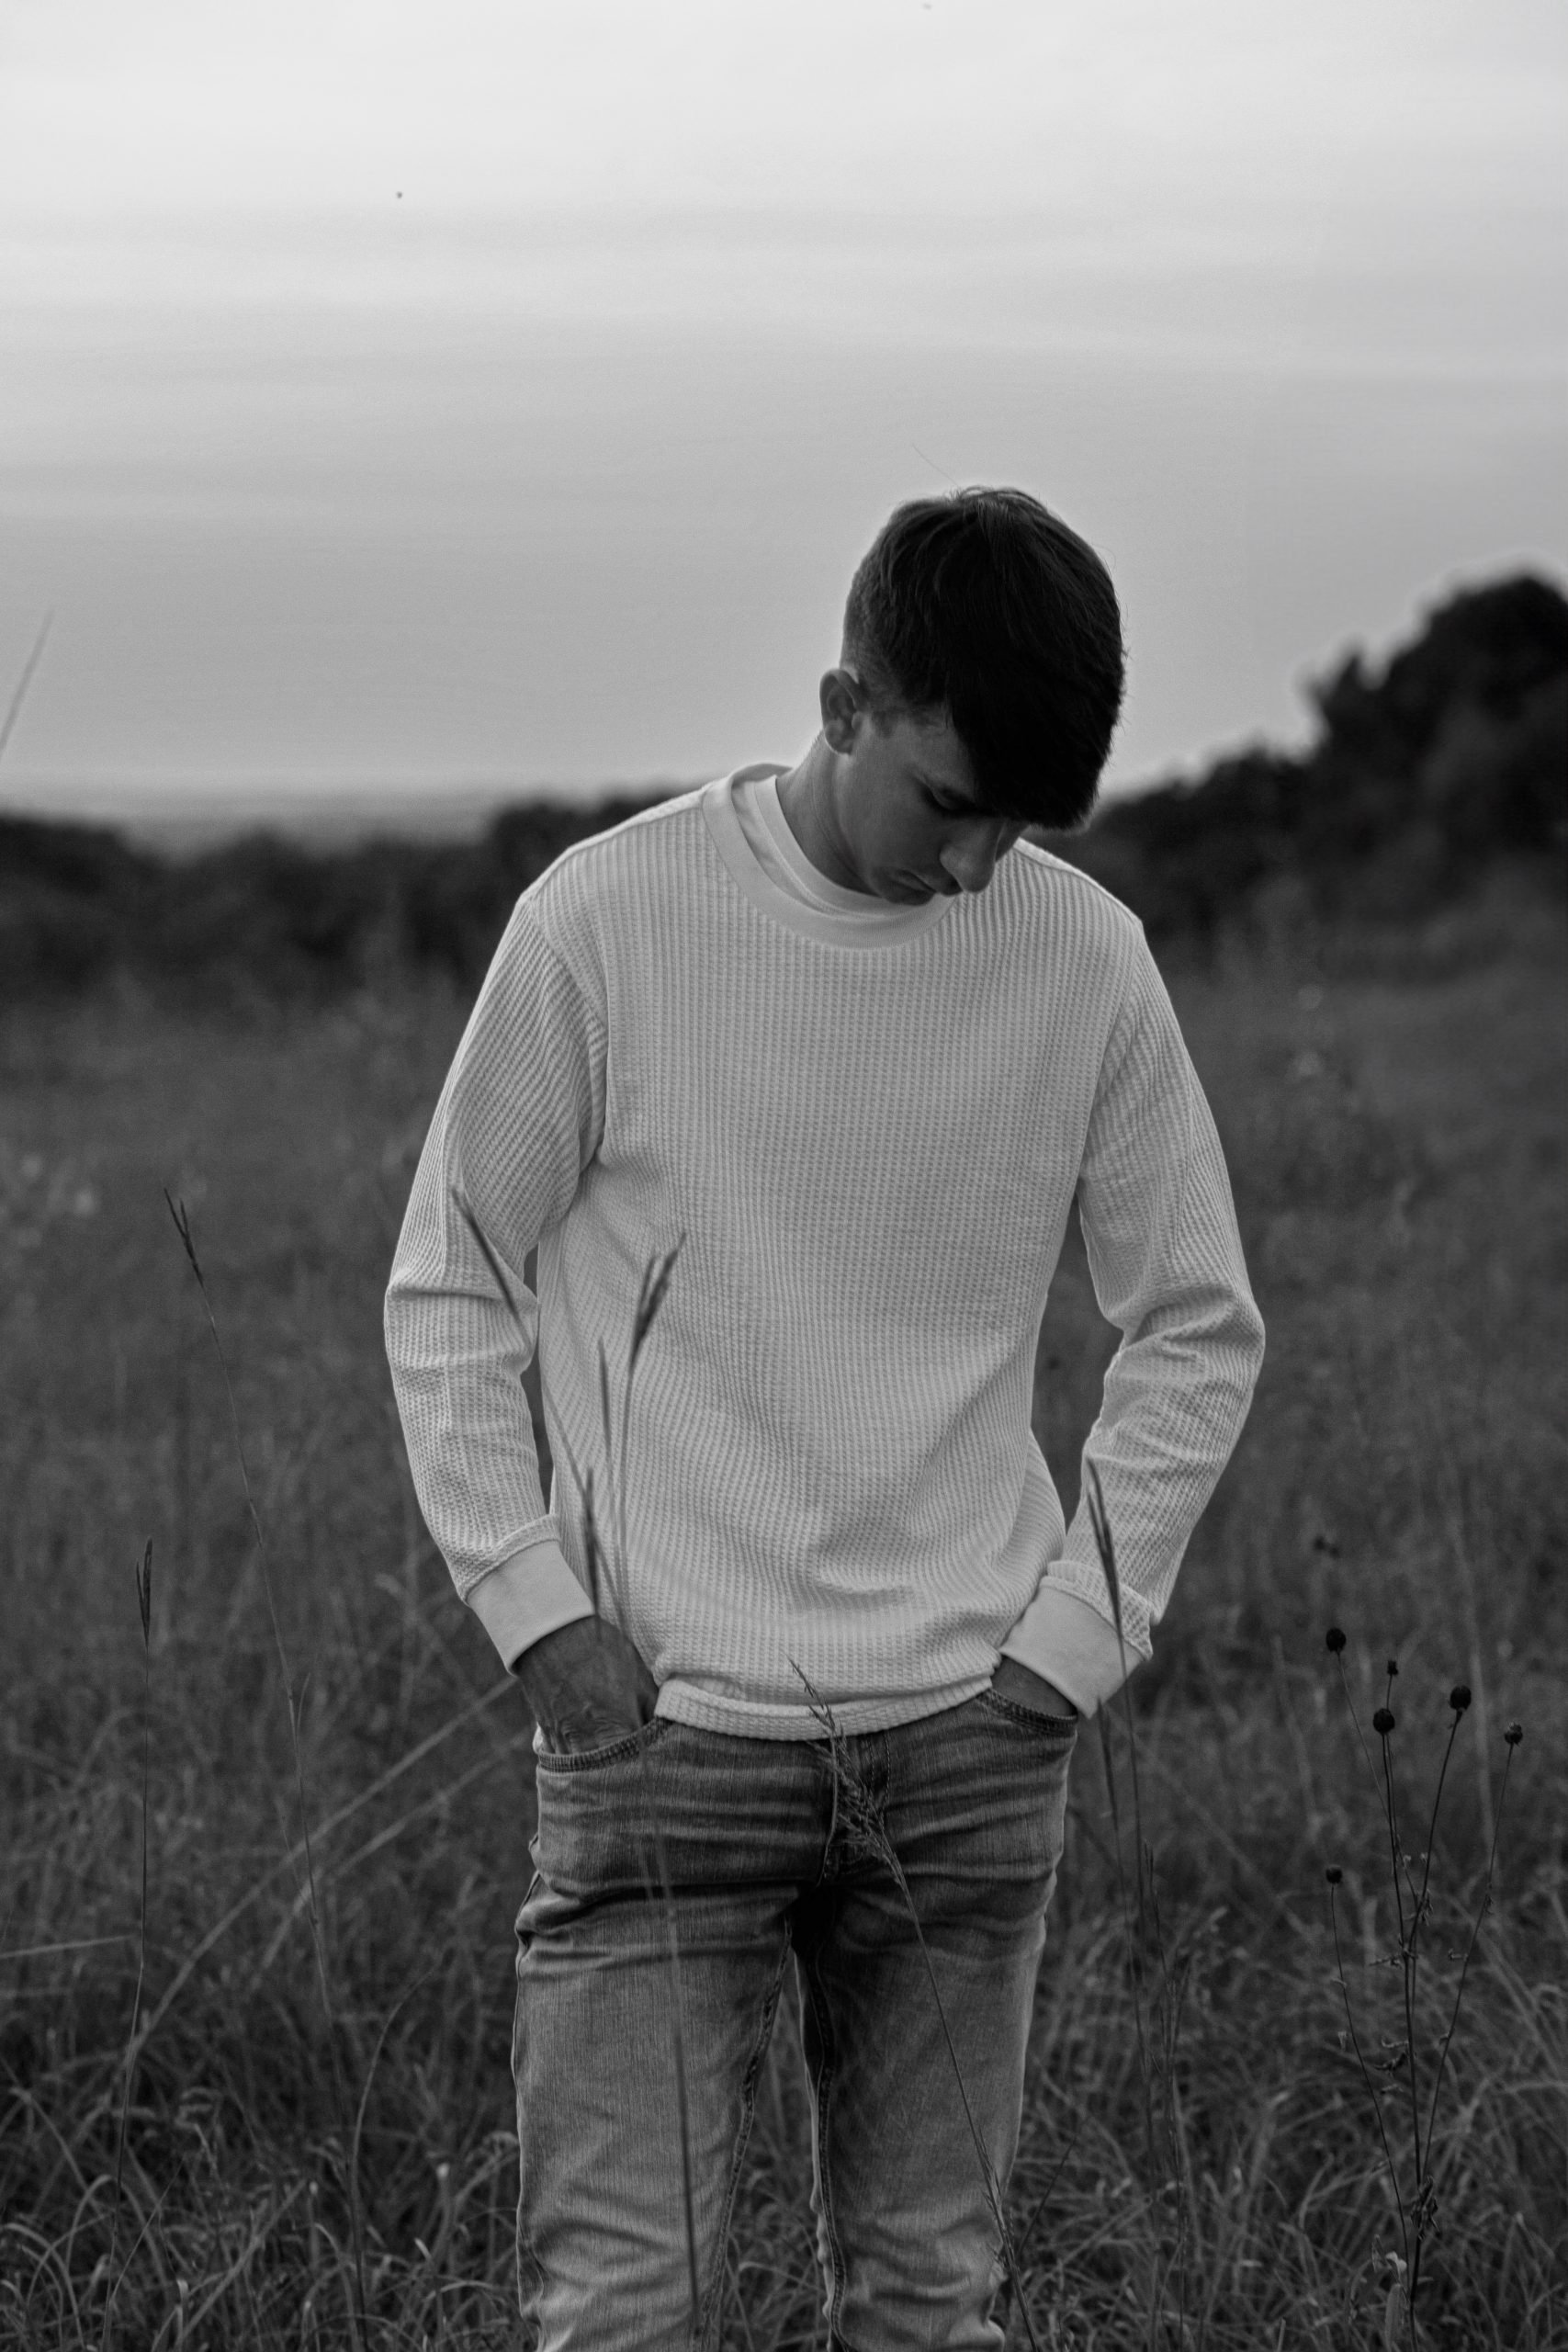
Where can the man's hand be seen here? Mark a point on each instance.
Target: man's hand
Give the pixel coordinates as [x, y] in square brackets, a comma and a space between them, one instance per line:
[586, 1686]
[1016, 1683]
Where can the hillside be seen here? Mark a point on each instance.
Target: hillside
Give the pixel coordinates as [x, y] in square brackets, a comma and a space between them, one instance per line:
[1422, 775]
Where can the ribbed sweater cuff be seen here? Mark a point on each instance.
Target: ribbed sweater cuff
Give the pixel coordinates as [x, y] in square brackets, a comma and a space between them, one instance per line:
[531, 1594]
[1065, 1641]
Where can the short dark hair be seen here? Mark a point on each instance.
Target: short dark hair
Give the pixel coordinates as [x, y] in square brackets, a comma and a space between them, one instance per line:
[985, 605]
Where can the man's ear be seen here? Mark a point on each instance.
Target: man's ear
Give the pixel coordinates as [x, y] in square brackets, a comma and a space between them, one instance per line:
[844, 708]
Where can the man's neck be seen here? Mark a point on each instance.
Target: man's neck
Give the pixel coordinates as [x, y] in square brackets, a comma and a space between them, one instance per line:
[806, 796]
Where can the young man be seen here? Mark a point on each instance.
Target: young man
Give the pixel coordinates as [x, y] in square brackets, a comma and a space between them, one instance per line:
[849, 1047]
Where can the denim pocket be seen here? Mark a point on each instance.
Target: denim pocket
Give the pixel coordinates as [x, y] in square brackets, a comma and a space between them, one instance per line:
[555, 1762]
[598, 1815]
[1056, 1731]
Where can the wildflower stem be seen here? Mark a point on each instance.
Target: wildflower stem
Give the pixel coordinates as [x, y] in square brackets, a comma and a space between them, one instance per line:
[1419, 1918]
[1407, 1942]
[1436, 1800]
[1366, 2076]
[1356, 1720]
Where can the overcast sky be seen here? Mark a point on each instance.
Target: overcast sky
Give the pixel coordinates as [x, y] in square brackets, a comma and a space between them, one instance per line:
[489, 392]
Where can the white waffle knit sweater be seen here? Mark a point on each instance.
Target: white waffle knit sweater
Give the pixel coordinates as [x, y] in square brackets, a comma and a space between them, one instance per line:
[866, 1137]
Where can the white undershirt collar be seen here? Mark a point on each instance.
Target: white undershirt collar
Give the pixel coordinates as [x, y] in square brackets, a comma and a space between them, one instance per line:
[753, 836]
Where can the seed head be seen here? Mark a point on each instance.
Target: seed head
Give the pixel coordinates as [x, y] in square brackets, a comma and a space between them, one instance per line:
[1514, 1734]
[1334, 1874]
[1382, 1722]
[1459, 1697]
[1336, 1640]
[1393, 1668]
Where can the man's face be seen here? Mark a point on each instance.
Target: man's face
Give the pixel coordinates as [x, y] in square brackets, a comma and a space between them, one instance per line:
[906, 823]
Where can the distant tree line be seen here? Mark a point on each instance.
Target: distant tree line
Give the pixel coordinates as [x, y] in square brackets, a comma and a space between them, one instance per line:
[1421, 776]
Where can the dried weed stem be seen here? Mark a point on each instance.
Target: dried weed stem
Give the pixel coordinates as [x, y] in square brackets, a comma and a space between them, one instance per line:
[294, 1701]
[1415, 2211]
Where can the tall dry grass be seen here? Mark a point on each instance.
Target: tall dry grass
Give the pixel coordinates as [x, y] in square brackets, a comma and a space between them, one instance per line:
[1392, 1112]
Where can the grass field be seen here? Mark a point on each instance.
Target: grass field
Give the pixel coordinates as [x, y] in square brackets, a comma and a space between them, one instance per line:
[1394, 1112]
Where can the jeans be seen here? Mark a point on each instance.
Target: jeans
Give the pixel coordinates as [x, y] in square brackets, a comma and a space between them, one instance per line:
[736, 1854]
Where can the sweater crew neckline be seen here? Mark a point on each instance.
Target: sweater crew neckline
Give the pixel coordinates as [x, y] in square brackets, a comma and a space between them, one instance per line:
[879, 924]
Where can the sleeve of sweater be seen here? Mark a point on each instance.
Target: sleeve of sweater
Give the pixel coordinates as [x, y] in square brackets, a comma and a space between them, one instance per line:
[1160, 1232]
[519, 1118]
